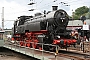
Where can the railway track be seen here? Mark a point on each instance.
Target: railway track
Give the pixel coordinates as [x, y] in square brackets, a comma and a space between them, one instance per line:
[66, 54]
[73, 55]
[70, 57]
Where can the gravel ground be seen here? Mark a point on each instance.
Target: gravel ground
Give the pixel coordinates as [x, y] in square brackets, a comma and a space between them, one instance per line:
[6, 54]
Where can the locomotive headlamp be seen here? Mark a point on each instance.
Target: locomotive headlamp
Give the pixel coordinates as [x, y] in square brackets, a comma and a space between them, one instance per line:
[58, 36]
[16, 31]
[62, 20]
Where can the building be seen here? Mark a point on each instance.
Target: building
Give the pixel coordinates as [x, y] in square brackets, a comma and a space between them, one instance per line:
[76, 24]
[8, 31]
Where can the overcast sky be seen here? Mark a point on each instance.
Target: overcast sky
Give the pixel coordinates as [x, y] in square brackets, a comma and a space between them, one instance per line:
[16, 8]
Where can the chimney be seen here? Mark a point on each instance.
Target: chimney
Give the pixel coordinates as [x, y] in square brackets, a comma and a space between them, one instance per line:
[54, 8]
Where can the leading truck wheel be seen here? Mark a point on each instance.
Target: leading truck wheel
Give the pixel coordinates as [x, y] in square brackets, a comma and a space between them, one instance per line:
[28, 45]
[34, 45]
[22, 43]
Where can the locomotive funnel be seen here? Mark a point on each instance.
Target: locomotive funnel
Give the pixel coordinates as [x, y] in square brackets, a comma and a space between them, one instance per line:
[54, 8]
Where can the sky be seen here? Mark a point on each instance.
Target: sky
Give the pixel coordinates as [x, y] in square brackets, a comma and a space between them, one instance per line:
[16, 8]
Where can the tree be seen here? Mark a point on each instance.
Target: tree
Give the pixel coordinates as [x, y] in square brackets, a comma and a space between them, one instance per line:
[88, 14]
[81, 11]
[76, 17]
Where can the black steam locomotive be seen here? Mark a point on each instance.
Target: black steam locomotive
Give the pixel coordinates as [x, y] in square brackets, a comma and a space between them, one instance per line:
[48, 28]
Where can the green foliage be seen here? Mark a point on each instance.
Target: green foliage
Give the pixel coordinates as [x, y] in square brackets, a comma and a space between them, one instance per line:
[88, 15]
[76, 17]
[81, 10]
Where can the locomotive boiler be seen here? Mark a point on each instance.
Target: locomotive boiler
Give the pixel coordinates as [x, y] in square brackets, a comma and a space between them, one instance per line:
[48, 28]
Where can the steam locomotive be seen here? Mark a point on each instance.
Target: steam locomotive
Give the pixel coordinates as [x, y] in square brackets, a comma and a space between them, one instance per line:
[48, 28]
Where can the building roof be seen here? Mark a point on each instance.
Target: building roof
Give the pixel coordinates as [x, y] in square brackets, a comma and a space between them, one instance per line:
[7, 29]
[78, 22]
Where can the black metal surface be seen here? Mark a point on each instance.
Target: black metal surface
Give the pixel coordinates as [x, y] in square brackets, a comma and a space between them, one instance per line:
[56, 19]
[33, 26]
[20, 29]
